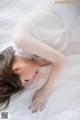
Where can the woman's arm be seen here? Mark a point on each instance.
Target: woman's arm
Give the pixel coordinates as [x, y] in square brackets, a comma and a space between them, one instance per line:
[42, 62]
[30, 44]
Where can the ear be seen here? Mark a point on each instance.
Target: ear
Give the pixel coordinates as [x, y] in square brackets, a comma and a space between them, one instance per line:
[16, 69]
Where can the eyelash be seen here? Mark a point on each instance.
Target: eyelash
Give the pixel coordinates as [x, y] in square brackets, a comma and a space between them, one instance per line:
[26, 80]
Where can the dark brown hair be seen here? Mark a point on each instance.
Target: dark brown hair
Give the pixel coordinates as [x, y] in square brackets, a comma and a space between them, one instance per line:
[9, 81]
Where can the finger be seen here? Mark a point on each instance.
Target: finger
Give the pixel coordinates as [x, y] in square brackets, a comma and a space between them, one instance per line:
[33, 103]
[36, 107]
[43, 106]
[33, 97]
[39, 107]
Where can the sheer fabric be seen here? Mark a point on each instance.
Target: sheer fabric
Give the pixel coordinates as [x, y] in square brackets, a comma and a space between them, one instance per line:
[52, 24]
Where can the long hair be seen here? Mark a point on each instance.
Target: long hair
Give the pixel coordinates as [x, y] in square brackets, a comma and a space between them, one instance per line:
[9, 81]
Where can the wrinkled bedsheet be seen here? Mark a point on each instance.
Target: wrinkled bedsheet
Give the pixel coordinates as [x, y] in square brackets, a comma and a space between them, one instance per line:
[64, 100]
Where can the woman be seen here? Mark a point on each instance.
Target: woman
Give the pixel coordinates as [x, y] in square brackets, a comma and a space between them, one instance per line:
[41, 49]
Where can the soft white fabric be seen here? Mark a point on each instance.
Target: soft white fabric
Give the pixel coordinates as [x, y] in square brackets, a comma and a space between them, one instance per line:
[64, 101]
[52, 24]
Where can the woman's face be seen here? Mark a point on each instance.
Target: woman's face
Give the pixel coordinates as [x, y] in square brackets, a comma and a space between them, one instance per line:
[26, 69]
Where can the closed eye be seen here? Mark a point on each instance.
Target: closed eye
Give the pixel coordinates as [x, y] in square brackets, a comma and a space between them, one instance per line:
[26, 81]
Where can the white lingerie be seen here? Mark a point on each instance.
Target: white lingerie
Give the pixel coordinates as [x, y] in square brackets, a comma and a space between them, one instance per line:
[51, 25]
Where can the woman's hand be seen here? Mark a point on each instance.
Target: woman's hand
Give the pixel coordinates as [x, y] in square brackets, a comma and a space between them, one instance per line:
[39, 99]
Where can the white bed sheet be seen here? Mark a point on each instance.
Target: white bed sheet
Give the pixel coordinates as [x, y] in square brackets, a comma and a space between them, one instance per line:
[64, 101]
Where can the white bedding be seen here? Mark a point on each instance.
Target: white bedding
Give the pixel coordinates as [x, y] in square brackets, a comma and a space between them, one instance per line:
[64, 101]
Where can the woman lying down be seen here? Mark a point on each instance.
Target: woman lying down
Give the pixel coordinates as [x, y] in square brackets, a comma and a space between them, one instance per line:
[18, 67]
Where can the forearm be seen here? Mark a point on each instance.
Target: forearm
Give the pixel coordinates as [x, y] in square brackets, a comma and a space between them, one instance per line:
[54, 74]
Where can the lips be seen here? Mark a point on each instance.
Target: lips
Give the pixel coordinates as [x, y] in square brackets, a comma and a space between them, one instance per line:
[35, 76]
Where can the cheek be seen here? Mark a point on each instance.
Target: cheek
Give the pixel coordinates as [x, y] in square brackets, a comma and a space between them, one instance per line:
[27, 72]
